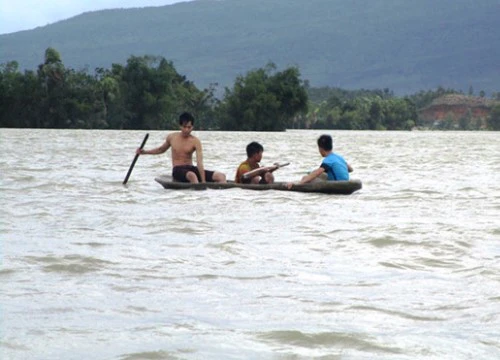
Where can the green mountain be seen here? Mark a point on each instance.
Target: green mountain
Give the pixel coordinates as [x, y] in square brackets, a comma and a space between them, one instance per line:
[403, 45]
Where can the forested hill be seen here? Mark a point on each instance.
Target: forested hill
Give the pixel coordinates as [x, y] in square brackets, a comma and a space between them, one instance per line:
[403, 45]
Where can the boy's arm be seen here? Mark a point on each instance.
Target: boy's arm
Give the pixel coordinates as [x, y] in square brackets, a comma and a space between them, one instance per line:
[247, 174]
[312, 175]
[349, 168]
[159, 150]
[199, 160]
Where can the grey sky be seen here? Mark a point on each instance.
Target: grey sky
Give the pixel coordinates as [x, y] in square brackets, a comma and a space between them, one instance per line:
[18, 15]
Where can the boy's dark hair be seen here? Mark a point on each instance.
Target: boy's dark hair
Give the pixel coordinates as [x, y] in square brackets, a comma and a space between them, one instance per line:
[325, 142]
[254, 148]
[186, 117]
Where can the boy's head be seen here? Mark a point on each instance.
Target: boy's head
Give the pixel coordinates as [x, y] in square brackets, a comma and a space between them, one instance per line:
[254, 148]
[186, 117]
[186, 123]
[325, 143]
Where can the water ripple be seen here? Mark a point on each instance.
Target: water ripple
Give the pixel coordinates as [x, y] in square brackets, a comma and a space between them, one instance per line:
[328, 339]
[74, 264]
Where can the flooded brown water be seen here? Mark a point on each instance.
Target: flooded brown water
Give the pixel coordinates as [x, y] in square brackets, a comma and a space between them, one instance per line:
[406, 268]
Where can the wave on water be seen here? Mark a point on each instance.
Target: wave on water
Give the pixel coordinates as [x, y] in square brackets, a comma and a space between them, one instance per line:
[322, 341]
[72, 264]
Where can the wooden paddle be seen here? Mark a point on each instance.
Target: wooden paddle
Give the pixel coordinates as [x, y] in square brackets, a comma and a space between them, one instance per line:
[263, 169]
[135, 159]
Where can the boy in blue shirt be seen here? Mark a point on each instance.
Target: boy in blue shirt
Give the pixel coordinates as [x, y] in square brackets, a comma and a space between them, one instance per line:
[333, 165]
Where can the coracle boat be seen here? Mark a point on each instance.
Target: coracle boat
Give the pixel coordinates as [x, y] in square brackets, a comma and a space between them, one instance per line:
[321, 186]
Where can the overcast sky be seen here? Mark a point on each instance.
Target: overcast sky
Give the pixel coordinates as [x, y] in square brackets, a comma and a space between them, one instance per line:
[17, 15]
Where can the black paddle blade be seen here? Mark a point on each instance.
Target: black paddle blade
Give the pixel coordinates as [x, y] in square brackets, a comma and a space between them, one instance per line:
[135, 159]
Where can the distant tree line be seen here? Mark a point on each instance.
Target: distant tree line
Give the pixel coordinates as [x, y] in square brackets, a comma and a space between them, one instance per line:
[379, 109]
[148, 93]
[360, 110]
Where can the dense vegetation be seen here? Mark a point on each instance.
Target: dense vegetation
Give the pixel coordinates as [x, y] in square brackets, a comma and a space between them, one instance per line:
[263, 100]
[494, 118]
[404, 45]
[148, 93]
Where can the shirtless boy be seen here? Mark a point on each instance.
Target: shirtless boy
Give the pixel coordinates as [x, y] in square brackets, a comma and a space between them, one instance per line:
[183, 146]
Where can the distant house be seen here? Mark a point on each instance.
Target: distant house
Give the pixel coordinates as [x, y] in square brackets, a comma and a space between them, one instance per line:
[457, 108]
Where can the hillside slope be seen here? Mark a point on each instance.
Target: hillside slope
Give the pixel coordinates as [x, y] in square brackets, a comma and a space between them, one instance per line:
[404, 45]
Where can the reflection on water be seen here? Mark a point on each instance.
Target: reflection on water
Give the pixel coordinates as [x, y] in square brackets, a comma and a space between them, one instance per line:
[408, 267]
